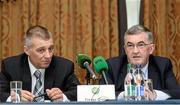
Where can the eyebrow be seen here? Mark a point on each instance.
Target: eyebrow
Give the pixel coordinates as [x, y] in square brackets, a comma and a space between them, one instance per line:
[43, 47]
[133, 43]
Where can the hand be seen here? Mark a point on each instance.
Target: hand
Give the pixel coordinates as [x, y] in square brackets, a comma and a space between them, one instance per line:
[55, 94]
[150, 95]
[26, 96]
[15, 96]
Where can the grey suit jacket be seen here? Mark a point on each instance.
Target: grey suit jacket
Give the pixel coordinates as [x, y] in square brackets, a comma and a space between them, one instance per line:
[59, 74]
[159, 70]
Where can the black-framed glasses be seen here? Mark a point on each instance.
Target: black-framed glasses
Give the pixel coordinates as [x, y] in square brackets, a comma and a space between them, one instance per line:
[140, 45]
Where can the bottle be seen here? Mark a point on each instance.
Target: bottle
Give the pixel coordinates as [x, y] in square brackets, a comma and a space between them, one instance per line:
[139, 82]
[129, 84]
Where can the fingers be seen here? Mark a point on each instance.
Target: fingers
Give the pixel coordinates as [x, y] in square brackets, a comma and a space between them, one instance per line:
[150, 95]
[55, 94]
[26, 96]
[13, 96]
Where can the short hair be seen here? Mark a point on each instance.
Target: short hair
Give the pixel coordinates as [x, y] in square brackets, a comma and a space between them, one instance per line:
[36, 31]
[136, 29]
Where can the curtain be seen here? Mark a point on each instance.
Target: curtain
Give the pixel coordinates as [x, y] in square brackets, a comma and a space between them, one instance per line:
[78, 26]
[163, 18]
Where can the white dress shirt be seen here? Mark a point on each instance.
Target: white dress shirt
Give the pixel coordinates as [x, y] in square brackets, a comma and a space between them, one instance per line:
[32, 70]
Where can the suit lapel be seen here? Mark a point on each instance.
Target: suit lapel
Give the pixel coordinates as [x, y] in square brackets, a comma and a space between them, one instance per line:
[122, 75]
[26, 74]
[122, 72]
[27, 80]
[154, 75]
[49, 77]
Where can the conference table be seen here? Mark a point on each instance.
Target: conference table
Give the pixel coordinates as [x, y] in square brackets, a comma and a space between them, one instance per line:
[110, 102]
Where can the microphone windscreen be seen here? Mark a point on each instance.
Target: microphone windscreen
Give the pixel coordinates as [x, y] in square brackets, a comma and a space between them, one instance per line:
[100, 64]
[81, 59]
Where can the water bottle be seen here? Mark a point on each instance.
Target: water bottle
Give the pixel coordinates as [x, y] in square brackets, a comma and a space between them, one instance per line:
[129, 85]
[139, 81]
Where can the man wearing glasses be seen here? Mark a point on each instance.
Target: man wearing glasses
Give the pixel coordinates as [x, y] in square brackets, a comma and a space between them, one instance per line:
[139, 46]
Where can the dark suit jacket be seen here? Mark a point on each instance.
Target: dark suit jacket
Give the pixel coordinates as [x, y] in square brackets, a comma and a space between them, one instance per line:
[60, 73]
[159, 70]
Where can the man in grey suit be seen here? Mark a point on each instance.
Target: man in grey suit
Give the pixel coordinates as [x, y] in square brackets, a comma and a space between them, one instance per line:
[58, 78]
[139, 46]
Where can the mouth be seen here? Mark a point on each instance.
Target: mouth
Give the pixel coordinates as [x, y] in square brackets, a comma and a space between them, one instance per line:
[46, 62]
[136, 57]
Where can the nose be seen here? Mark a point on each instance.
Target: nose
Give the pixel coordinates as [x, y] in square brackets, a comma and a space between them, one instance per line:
[48, 54]
[136, 49]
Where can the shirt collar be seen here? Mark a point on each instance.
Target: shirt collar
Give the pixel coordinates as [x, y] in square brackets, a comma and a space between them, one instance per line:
[145, 70]
[33, 68]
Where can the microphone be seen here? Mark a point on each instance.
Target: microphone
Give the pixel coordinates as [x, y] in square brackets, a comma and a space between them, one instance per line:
[84, 61]
[101, 66]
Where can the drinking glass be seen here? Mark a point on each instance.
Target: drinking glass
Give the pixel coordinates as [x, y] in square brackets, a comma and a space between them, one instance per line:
[16, 87]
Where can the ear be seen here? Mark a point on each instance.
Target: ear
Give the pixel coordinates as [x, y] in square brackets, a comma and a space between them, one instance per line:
[152, 47]
[26, 50]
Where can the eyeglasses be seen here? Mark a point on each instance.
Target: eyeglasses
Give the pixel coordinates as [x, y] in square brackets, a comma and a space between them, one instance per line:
[140, 45]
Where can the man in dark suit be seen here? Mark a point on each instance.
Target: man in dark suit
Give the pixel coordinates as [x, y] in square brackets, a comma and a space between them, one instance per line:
[139, 46]
[58, 78]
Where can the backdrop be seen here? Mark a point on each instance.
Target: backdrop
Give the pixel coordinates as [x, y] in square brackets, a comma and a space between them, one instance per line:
[87, 26]
[78, 26]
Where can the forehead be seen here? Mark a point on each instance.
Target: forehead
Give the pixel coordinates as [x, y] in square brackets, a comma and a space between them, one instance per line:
[38, 42]
[135, 38]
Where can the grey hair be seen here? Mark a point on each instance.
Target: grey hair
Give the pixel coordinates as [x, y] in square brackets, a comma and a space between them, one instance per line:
[36, 31]
[136, 29]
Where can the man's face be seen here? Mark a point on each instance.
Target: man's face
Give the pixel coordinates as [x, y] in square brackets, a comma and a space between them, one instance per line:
[40, 52]
[138, 48]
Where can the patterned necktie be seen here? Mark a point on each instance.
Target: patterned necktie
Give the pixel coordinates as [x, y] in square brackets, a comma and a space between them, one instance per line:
[38, 88]
[140, 72]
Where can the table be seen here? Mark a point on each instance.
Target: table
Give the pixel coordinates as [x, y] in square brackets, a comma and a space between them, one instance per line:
[120, 102]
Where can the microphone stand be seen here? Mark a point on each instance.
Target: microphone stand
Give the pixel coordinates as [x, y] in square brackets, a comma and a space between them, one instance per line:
[88, 78]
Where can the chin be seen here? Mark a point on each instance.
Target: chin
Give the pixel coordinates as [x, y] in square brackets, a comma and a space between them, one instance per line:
[44, 66]
[135, 63]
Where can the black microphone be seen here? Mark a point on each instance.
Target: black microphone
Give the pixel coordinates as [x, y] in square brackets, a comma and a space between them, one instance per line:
[84, 61]
[100, 66]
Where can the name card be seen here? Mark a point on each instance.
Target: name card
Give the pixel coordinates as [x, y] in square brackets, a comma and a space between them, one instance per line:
[95, 93]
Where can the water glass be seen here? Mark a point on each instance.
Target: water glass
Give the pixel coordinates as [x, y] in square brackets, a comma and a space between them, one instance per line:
[16, 87]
